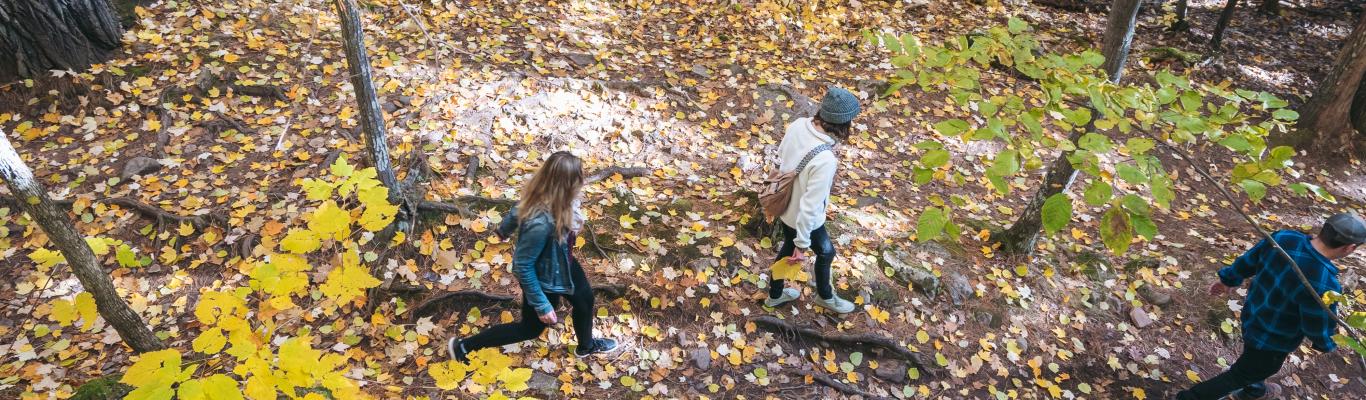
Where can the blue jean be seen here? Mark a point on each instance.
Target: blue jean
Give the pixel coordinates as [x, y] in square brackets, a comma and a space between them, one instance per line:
[825, 255]
[1248, 373]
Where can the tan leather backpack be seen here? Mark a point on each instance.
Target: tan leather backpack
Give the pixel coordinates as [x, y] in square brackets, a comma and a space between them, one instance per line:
[777, 188]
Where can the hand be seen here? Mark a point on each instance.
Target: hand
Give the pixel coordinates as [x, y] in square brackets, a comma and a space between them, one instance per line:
[1218, 289]
[798, 256]
[549, 318]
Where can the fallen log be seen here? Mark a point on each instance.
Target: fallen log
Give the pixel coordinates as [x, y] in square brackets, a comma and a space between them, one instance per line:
[866, 340]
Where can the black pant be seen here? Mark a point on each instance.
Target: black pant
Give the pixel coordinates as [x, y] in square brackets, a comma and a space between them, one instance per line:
[825, 254]
[1252, 367]
[530, 326]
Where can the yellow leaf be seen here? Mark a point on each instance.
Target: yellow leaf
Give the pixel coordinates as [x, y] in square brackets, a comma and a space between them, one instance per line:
[1140, 394]
[99, 245]
[785, 269]
[300, 241]
[1194, 377]
[515, 379]
[153, 374]
[316, 189]
[63, 312]
[85, 306]
[46, 258]
[448, 375]
[347, 282]
[330, 220]
[627, 221]
[210, 341]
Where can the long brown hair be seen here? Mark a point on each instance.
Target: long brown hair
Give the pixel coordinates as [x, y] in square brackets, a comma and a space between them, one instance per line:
[553, 190]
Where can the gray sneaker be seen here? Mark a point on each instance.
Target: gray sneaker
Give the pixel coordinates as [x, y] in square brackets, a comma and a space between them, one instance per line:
[836, 304]
[789, 294]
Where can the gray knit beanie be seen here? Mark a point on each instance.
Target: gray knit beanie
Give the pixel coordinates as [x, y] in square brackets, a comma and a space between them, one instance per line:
[839, 106]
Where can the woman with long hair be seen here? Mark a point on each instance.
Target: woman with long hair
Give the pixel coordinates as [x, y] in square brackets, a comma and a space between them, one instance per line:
[545, 222]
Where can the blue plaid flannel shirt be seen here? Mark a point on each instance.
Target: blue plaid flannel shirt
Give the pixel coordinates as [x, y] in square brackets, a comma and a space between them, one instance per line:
[1279, 312]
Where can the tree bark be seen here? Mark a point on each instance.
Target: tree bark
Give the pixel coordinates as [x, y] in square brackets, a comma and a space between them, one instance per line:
[33, 200]
[1359, 108]
[1219, 27]
[371, 115]
[1326, 121]
[1021, 236]
[1182, 6]
[1119, 35]
[1270, 7]
[41, 35]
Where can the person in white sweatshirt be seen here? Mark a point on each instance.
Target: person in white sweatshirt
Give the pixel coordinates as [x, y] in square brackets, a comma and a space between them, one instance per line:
[813, 139]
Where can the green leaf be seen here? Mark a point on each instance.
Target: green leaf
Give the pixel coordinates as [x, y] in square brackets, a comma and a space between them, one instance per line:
[1077, 116]
[1057, 212]
[1255, 190]
[1144, 226]
[1304, 189]
[931, 224]
[1116, 230]
[1138, 146]
[1094, 142]
[1348, 342]
[921, 176]
[1099, 193]
[1236, 143]
[1006, 163]
[1285, 114]
[1135, 204]
[1016, 25]
[1161, 189]
[934, 159]
[1130, 173]
[951, 127]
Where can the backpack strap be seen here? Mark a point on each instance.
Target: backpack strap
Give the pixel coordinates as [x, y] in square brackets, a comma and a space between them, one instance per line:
[812, 154]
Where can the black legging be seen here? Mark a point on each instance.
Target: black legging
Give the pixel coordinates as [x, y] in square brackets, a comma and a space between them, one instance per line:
[1248, 372]
[530, 326]
[825, 255]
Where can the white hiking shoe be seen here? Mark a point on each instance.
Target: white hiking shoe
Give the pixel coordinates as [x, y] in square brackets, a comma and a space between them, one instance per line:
[836, 304]
[789, 294]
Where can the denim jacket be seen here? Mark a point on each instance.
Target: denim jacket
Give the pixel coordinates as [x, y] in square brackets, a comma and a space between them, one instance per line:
[540, 259]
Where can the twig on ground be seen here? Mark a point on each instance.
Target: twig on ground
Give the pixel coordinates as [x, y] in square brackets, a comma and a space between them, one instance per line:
[867, 340]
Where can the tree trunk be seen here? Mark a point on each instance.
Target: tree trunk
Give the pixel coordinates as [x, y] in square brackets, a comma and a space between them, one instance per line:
[33, 199]
[1219, 27]
[1270, 7]
[1119, 35]
[1359, 108]
[371, 115]
[1021, 236]
[1326, 121]
[41, 35]
[1181, 24]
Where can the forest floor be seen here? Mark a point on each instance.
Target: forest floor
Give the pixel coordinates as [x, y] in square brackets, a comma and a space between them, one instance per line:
[699, 92]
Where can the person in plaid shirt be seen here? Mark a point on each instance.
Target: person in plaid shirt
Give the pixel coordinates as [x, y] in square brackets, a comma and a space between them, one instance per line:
[1280, 312]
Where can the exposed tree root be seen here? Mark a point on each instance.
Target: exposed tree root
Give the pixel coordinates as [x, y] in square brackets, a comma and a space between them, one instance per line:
[463, 205]
[1073, 5]
[626, 172]
[867, 340]
[449, 299]
[834, 384]
[144, 209]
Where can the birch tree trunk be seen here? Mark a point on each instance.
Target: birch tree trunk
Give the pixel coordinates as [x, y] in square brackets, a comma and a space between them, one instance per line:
[371, 115]
[33, 199]
[41, 35]
[1219, 27]
[1119, 35]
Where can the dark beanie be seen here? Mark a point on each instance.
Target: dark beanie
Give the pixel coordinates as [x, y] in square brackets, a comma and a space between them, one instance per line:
[839, 106]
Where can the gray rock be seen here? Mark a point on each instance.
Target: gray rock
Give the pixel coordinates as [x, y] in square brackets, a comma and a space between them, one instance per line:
[1154, 296]
[900, 263]
[771, 101]
[865, 201]
[891, 371]
[960, 290]
[1023, 344]
[582, 59]
[873, 87]
[701, 358]
[700, 70]
[1140, 317]
[543, 383]
[139, 166]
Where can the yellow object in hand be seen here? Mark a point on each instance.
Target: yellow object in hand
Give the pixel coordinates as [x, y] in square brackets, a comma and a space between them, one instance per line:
[785, 269]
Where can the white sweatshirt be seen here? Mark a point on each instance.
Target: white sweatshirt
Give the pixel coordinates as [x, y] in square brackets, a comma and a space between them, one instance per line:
[806, 211]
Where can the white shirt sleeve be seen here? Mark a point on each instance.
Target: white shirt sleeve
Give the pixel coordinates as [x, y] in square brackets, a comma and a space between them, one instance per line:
[813, 200]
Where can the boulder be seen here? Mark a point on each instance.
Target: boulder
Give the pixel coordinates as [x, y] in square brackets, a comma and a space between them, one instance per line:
[139, 166]
[960, 290]
[582, 59]
[1155, 297]
[892, 371]
[543, 383]
[1140, 317]
[701, 358]
[900, 262]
